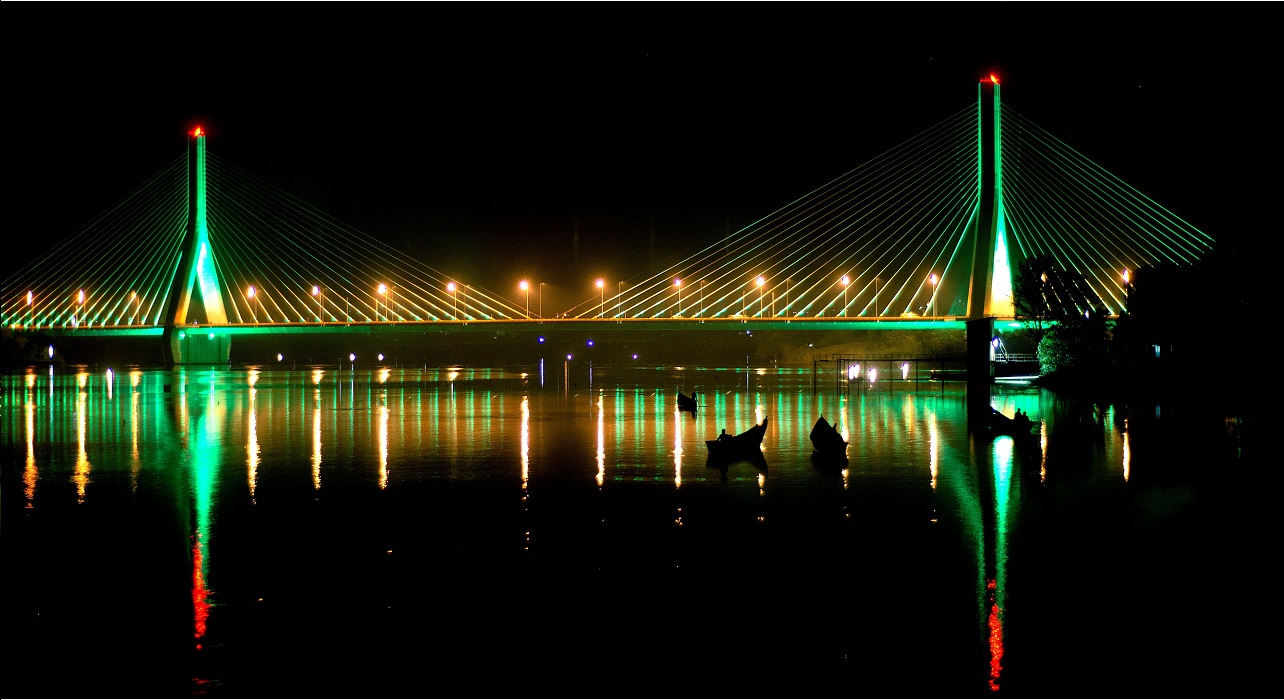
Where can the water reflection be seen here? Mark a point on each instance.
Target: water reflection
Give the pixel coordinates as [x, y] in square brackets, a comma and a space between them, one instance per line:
[924, 506]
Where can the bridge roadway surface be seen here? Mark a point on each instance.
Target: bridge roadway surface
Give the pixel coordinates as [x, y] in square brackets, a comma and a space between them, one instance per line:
[593, 324]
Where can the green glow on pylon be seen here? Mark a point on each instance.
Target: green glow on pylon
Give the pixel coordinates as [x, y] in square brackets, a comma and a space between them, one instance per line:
[206, 277]
[1001, 304]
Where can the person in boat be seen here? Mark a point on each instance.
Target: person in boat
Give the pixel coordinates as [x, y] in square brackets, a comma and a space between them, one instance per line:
[723, 435]
[1021, 422]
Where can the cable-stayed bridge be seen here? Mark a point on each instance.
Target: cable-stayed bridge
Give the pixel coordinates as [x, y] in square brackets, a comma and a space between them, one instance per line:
[927, 234]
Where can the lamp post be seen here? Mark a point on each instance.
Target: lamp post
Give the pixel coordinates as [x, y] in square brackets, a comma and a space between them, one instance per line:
[30, 318]
[601, 288]
[760, 281]
[249, 293]
[541, 300]
[787, 283]
[877, 311]
[80, 309]
[931, 302]
[316, 292]
[701, 301]
[846, 281]
[383, 292]
[678, 283]
[619, 303]
[454, 299]
[133, 296]
[526, 287]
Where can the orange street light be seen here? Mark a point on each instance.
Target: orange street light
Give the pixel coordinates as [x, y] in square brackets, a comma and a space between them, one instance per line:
[526, 287]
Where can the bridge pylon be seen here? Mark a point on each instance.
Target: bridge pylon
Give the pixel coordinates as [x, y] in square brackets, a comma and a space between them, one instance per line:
[989, 251]
[196, 268]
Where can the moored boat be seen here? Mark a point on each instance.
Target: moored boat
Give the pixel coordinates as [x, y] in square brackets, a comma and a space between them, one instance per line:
[745, 445]
[827, 441]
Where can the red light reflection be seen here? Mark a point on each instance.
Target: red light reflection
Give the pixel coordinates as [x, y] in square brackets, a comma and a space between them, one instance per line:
[200, 595]
[996, 638]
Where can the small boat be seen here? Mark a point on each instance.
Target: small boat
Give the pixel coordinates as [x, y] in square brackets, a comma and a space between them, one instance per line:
[731, 448]
[1019, 426]
[827, 441]
[687, 403]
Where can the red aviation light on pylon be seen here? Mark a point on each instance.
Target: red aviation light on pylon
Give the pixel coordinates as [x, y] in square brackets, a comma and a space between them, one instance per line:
[198, 132]
[994, 79]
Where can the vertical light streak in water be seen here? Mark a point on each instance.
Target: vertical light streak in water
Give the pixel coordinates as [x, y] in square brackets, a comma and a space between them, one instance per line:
[526, 460]
[30, 474]
[206, 452]
[997, 586]
[601, 443]
[526, 444]
[541, 373]
[200, 594]
[1127, 451]
[317, 376]
[933, 448]
[111, 376]
[677, 449]
[316, 441]
[383, 447]
[136, 463]
[1043, 452]
[252, 446]
[81, 477]
[846, 433]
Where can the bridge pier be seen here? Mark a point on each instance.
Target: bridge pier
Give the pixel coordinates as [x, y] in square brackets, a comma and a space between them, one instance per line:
[980, 371]
[183, 346]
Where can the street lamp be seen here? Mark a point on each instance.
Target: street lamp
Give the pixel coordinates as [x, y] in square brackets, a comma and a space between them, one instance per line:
[526, 287]
[133, 296]
[877, 311]
[249, 293]
[1127, 288]
[787, 283]
[541, 300]
[30, 319]
[451, 287]
[931, 302]
[383, 291]
[316, 292]
[846, 281]
[678, 283]
[760, 281]
[601, 284]
[80, 309]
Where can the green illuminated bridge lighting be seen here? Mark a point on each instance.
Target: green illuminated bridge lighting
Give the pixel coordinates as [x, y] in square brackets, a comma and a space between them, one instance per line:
[929, 232]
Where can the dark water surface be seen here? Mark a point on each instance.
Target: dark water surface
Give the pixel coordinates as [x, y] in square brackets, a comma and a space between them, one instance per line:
[556, 532]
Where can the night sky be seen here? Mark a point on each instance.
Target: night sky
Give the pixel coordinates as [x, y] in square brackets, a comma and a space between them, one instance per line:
[563, 142]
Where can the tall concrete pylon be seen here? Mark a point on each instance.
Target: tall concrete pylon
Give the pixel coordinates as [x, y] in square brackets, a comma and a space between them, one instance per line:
[195, 268]
[987, 227]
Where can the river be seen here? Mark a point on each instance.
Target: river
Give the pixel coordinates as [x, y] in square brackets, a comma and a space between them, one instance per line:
[556, 531]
